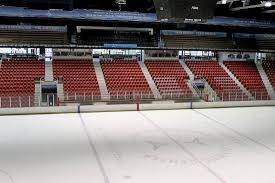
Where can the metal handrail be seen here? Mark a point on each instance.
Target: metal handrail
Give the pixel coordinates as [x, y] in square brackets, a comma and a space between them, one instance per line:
[124, 97]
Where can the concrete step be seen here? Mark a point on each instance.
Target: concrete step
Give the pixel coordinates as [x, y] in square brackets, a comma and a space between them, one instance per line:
[232, 76]
[37, 94]
[212, 94]
[191, 77]
[60, 91]
[48, 71]
[266, 81]
[150, 80]
[187, 70]
[194, 92]
[101, 81]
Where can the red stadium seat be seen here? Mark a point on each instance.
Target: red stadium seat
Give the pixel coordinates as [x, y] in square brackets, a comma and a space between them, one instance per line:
[218, 79]
[124, 78]
[269, 67]
[79, 79]
[169, 77]
[17, 81]
[248, 75]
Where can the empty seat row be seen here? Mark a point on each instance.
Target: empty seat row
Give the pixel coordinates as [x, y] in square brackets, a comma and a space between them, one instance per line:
[17, 81]
[248, 74]
[125, 76]
[217, 78]
[169, 77]
[79, 77]
[269, 67]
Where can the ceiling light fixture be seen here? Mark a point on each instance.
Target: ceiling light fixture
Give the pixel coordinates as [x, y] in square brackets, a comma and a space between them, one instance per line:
[268, 4]
[224, 1]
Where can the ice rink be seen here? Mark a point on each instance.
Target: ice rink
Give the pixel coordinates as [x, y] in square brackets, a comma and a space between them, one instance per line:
[176, 146]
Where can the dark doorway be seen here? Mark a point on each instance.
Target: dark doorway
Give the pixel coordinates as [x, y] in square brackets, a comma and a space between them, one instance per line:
[49, 95]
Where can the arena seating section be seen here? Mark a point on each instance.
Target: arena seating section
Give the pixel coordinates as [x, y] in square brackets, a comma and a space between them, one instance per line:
[248, 75]
[269, 67]
[79, 79]
[169, 77]
[218, 79]
[17, 81]
[32, 37]
[184, 41]
[125, 78]
[266, 43]
[100, 37]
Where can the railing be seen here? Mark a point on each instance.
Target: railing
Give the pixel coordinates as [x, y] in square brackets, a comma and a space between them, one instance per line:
[237, 96]
[208, 93]
[199, 92]
[86, 98]
[82, 97]
[123, 96]
[16, 101]
[178, 95]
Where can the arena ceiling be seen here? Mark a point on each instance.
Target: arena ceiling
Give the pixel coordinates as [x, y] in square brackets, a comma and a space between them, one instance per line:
[252, 9]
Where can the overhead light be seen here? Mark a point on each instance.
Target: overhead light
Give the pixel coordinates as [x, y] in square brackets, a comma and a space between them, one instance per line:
[224, 1]
[121, 2]
[268, 4]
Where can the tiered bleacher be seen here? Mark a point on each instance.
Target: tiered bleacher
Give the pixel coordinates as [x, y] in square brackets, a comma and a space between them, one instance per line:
[169, 77]
[80, 82]
[125, 79]
[266, 43]
[25, 34]
[17, 81]
[249, 76]
[269, 67]
[101, 37]
[254, 41]
[203, 42]
[218, 79]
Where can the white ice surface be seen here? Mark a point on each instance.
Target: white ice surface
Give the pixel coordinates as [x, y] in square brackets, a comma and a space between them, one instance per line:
[193, 146]
[46, 149]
